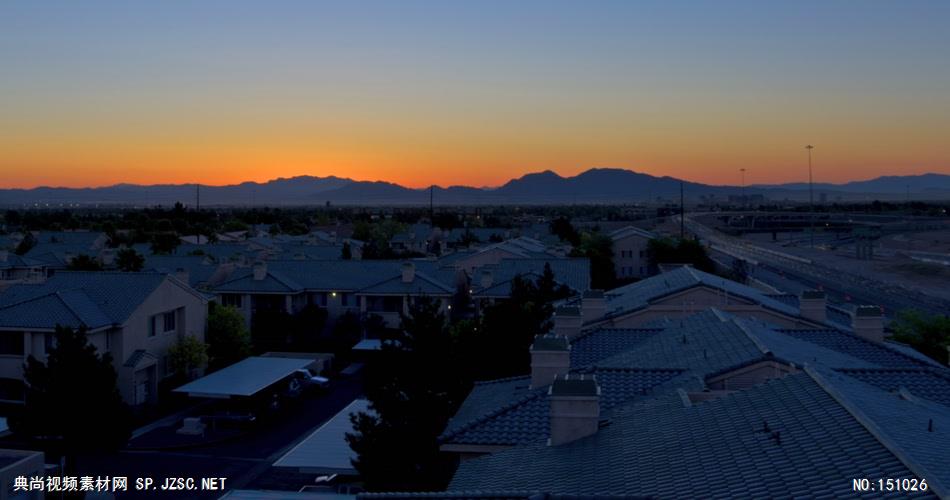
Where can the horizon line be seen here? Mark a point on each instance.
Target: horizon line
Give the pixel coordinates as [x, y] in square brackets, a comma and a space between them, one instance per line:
[350, 179]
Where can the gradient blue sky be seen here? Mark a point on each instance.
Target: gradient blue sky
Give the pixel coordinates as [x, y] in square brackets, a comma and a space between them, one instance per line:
[97, 92]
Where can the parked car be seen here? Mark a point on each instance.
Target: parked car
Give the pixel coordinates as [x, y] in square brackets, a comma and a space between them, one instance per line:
[311, 379]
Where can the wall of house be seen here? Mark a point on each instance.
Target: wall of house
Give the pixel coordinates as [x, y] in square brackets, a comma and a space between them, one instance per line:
[630, 257]
[749, 376]
[698, 299]
[192, 316]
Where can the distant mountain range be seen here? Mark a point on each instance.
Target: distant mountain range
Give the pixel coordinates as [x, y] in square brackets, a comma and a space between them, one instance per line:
[599, 185]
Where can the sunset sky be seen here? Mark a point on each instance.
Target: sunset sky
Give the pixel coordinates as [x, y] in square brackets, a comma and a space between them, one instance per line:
[95, 93]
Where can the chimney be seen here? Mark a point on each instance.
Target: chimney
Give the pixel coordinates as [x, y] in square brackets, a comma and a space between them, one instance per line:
[260, 271]
[567, 322]
[550, 357]
[868, 322]
[182, 275]
[812, 305]
[408, 272]
[593, 305]
[487, 279]
[575, 408]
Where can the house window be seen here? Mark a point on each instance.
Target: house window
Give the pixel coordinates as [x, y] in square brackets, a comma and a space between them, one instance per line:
[168, 322]
[11, 344]
[232, 300]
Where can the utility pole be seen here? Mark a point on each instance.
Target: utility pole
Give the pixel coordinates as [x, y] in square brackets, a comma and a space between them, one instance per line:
[682, 214]
[431, 207]
[745, 199]
[811, 198]
[197, 209]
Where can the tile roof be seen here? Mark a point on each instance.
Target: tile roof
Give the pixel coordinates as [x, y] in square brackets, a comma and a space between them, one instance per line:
[525, 418]
[631, 231]
[573, 272]
[199, 269]
[14, 261]
[91, 298]
[916, 430]
[421, 284]
[273, 282]
[715, 449]
[638, 295]
[372, 276]
[882, 355]
[603, 343]
[927, 383]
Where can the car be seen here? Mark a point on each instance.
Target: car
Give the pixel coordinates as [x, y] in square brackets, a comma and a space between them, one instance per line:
[311, 379]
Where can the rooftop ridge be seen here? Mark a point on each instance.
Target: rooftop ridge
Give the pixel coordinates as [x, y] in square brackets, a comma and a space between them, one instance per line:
[896, 449]
[753, 337]
[502, 380]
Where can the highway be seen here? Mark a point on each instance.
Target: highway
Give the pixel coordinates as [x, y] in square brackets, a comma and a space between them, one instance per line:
[791, 274]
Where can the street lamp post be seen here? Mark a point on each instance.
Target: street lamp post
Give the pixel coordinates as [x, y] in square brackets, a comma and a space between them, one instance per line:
[811, 198]
[745, 199]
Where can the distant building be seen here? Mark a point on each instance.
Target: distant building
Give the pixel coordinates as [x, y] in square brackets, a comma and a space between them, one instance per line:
[631, 245]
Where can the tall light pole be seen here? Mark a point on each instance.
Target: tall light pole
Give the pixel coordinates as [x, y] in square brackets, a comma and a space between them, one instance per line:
[811, 198]
[744, 199]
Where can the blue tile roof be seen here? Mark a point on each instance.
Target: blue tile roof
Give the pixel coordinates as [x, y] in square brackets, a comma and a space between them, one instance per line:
[242, 281]
[420, 285]
[716, 449]
[526, 418]
[198, 268]
[928, 383]
[916, 430]
[371, 276]
[882, 355]
[91, 298]
[14, 261]
[603, 343]
[574, 272]
[638, 295]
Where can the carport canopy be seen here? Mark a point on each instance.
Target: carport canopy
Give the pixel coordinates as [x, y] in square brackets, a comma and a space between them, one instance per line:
[244, 378]
[325, 450]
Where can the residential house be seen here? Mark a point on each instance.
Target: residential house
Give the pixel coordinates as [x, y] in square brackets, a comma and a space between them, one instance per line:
[631, 258]
[381, 287]
[135, 317]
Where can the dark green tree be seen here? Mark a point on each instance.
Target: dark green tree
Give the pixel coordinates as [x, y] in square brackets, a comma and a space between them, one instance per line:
[26, 244]
[129, 260]
[507, 330]
[165, 242]
[73, 398]
[346, 253]
[84, 262]
[227, 336]
[685, 251]
[929, 334]
[599, 248]
[414, 385]
[564, 230]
